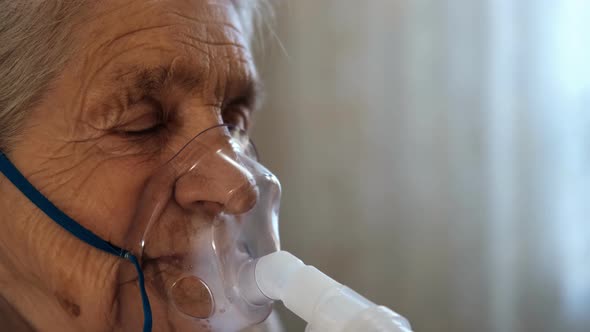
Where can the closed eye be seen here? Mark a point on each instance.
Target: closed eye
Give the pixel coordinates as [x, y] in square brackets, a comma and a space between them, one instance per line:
[149, 121]
[145, 131]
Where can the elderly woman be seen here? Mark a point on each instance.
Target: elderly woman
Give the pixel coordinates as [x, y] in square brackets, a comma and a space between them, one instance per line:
[95, 96]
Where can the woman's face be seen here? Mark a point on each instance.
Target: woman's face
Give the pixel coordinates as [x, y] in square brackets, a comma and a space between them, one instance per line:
[145, 77]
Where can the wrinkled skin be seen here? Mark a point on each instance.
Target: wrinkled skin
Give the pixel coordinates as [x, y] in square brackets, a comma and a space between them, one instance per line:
[146, 76]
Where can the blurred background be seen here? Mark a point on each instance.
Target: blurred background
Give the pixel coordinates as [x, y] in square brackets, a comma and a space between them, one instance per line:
[435, 155]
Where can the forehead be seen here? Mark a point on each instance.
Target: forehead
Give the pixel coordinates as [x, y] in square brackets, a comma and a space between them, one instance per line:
[200, 40]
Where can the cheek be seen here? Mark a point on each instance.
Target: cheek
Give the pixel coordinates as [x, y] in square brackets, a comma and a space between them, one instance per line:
[107, 201]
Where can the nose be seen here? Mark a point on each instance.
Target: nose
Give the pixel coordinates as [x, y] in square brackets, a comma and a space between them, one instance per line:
[218, 181]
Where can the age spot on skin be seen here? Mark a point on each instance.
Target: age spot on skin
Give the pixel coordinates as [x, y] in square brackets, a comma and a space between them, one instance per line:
[70, 307]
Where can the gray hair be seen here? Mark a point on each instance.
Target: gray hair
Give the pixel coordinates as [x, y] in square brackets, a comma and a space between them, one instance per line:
[34, 48]
[33, 45]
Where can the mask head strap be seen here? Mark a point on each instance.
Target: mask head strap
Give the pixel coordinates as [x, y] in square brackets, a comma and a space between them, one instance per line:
[74, 228]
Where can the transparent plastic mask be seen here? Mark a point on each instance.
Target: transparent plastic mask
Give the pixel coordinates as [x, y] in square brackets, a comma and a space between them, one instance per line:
[203, 215]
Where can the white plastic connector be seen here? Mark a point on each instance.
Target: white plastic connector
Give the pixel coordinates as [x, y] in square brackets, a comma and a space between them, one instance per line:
[323, 303]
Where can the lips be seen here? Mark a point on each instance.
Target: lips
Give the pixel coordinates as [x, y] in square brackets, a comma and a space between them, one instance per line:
[203, 248]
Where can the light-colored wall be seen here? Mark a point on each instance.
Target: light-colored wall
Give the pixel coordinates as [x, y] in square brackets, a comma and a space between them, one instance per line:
[434, 155]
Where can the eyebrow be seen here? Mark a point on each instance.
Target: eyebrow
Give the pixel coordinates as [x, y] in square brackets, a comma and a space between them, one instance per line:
[143, 82]
[151, 80]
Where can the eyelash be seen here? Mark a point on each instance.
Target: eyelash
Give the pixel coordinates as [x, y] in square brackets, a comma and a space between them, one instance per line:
[159, 123]
[234, 112]
[147, 131]
[149, 140]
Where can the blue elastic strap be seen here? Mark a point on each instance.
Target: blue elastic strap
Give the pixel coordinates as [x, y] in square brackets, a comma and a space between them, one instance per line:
[147, 310]
[70, 225]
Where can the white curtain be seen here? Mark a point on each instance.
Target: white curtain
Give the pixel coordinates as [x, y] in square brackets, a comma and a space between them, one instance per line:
[435, 155]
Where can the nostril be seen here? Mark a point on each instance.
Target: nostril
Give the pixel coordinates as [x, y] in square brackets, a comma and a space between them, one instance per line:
[242, 199]
[209, 208]
[214, 198]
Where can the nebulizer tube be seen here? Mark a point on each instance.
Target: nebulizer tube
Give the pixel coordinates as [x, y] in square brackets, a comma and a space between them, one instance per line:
[206, 236]
[323, 303]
